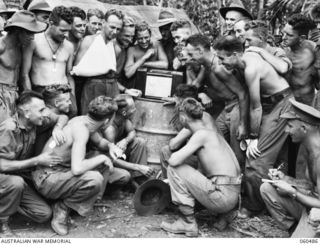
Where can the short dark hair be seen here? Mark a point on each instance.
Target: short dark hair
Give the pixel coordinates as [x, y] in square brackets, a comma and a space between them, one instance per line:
[78, 12]
[229, 43]
[301, 24]
[142, 26]
[122, 100]
[180, 24]
[315, 12]
[102, 107]
[192, 108]
[95, 12]
[61, 13]
[199, 40]
[186, 90]
[115, 12]
[52, 92]
[259, 28]
[27, 96]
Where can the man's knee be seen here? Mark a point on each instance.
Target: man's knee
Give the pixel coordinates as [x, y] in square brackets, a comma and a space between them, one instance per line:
[44, 213]
[94, 179]
[266, 189]
[15, 184]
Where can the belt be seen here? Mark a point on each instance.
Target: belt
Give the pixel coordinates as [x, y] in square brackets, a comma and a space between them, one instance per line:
[57, 86]
[275, 98]
[225, 180]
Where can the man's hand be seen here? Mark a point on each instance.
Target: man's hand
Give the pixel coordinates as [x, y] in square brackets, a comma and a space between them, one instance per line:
[133, 92]
[242, 132]
[275, 174]
[114, 151]
[205, 100]
[48, 160]
[283, 188]
[252, 149]
[122, 144]
[314, 219]
[176, 64]
[58, 136]
[257, 50]
[150, 52]
[169, 101]
[145, 170]
[109, 164]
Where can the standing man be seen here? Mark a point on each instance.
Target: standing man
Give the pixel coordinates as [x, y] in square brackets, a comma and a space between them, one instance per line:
[232, 121]
[20, 32]
[95, 19]
[48, 59]
[18, 134]
[287, 198]
[75, 183]
[303, 77]
[232, 14]
[269, 97]
[41, 9]
[165, 20]
[145, 53]
[217, 186]
[106, 84]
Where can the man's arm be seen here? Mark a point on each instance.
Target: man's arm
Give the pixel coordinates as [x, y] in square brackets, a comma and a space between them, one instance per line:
[195, 142]
[131, 66]
[162, 61]
[69, 68]
[79, 164]
[234, 85]
[252, 78]
[85, 44]
[181, 138]
[26, 66]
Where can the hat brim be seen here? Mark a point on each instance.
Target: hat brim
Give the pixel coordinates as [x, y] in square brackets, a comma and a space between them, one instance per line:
[151, 197]
[8, 11]
[32, 27]
[289, 115]
[223, 11]
[164, 22]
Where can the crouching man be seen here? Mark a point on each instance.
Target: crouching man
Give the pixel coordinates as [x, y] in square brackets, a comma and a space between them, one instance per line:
[287, 198]
[74, 182]
[217, 186]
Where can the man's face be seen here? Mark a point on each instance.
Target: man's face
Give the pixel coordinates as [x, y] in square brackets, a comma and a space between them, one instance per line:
[63, 103]
[181, 35]
[36, 110]
[252, 40]
[239, 30]
[112, 27]
[25, 37]
[295, 130]
[183, 56]
[126, 36]
[231, 18]
[165, 32]
[94, 24]
[194, 53]
[144, 39]
[290, 36]
[78, 27]
[42, 16]
[60, 32]
[129, 111]
[226, 59]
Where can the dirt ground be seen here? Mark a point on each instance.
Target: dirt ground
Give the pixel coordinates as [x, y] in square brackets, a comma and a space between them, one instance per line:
[119, 220]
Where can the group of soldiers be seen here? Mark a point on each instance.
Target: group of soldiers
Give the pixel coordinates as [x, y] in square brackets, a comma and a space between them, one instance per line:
[247, 116]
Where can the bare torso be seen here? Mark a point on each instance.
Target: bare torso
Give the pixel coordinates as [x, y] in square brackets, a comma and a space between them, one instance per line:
[10, 61]
[138, 52]
[45, 69]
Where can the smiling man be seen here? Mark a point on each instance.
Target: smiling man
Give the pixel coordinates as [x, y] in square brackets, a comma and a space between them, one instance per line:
[145, 53]
[47, 61]
[95, 19]
[78, 27]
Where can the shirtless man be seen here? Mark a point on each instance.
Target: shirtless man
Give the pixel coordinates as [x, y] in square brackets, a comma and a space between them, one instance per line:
[106, 84]
[303, 77]
[232, 121]
[11, 46]
[269, 96]
[145, 53]
[256, 36]
[219, 167]
[48, 59]
[74, 182]
[287, 198]
[95, 19]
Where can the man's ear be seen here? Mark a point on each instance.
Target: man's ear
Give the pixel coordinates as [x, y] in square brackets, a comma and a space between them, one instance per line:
[304, 128]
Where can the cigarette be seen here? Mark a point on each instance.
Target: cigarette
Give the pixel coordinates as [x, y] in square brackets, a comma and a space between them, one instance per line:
[280, 166]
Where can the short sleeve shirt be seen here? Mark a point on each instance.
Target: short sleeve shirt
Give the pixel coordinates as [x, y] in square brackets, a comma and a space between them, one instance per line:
[16, 141]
